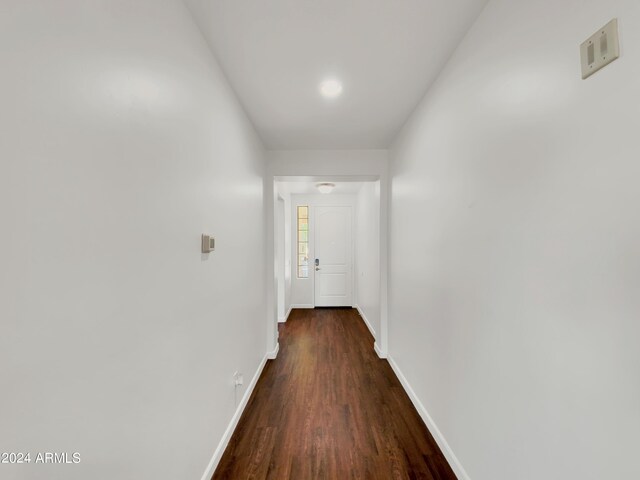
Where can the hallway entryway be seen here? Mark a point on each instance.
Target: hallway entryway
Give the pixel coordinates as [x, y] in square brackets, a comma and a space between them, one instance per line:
[329, 408]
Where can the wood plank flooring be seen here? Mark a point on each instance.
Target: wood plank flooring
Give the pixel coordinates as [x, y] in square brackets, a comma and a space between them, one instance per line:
[329, 408]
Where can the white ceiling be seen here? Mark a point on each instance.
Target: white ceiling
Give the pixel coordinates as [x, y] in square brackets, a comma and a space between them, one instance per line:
[309, 188]
[385, 52]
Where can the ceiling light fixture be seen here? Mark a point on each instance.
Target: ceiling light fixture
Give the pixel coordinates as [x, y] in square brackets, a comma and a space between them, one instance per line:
[331, 88]
[325, 187]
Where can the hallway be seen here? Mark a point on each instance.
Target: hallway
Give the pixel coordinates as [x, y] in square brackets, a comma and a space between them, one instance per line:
[184, 182]
[329, 408]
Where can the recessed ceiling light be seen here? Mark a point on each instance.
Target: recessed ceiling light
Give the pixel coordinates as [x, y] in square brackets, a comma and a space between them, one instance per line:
[325, 187]
[331, 88]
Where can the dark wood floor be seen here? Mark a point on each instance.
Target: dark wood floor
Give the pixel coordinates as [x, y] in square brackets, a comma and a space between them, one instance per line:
[329, 408]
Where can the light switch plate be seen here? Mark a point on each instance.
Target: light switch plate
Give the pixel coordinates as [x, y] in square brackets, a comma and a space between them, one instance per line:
[208, 243]
[600, 49]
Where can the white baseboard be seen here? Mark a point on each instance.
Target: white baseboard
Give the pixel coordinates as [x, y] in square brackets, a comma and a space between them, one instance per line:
[366, 321]
[303, 305]
[435, 431]
[378, 351]
[272, 355]
[286, 316]
[217, 455]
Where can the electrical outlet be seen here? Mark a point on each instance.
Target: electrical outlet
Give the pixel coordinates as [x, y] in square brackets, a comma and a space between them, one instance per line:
[238, 379]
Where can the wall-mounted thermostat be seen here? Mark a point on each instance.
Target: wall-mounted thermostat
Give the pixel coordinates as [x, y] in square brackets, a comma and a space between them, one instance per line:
[600, 49]
[208, 244]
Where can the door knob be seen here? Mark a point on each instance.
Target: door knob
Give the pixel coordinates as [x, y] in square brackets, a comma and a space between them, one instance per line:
[317, 268]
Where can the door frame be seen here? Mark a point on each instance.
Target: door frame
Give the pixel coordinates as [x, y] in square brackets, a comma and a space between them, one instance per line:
[297, 171]
[303, 289]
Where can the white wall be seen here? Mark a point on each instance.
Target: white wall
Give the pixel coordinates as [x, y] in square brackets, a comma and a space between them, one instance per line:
[280, 260]
[121, 143]
[515, 247]
[282, 234]
[287, 255]
[302, 289]
[328, 162]
[367, 239]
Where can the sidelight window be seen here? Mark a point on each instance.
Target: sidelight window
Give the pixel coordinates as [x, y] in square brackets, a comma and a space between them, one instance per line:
[303, 242]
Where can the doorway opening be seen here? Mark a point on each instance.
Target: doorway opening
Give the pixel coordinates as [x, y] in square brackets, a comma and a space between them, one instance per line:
[327, 246]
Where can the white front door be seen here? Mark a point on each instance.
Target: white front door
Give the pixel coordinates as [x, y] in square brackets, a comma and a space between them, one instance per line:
[333, 257]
